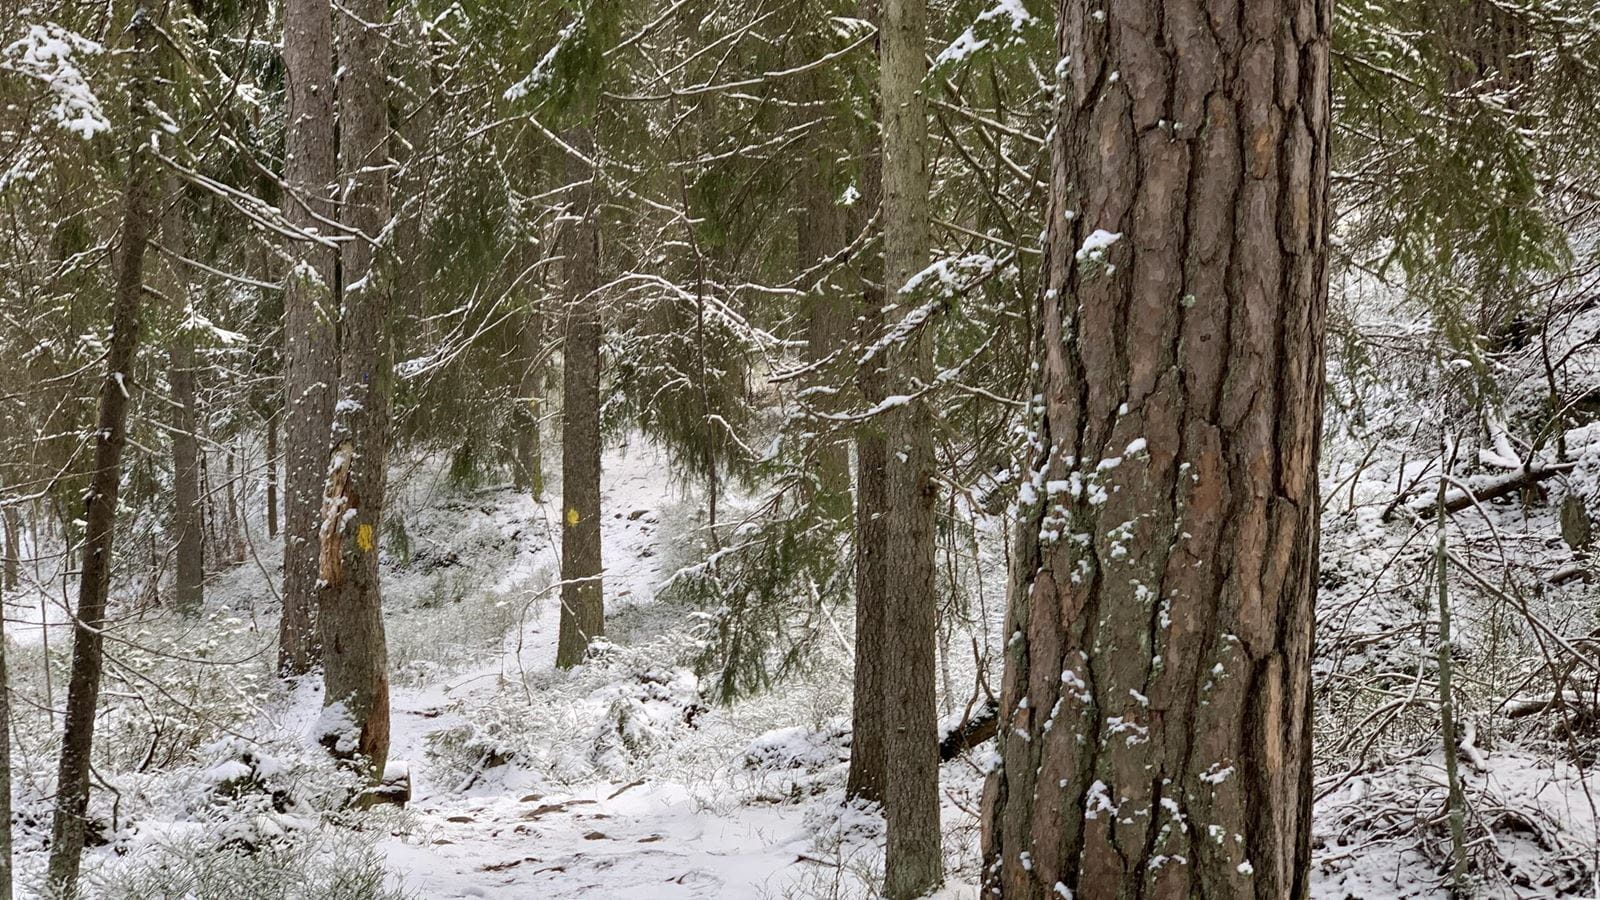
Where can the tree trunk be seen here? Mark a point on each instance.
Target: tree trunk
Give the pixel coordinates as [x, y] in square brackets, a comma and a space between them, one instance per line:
[100, 504]
[5, 769]
[310, 309]
[13, 534]
[913, 863]
[867, 763]
[529, 472]
[822, 230]
[582, 597]
[233, 530]
[272, 474]
[1156, 710]
[188, 593]
[355, 722]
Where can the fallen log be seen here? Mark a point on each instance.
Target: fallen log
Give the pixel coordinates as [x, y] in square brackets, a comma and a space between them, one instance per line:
[979, 727]
[1459, 498]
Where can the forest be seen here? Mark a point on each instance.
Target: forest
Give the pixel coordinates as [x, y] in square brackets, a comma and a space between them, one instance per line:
[813, 449]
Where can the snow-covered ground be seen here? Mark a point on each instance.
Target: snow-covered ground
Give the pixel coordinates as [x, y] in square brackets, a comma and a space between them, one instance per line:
[622, 778]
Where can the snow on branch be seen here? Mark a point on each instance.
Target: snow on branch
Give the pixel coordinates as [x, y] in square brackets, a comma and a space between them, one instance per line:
[47, 54]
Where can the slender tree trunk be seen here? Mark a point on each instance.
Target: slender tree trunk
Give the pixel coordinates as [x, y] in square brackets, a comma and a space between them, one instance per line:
[83, 692]
[188, 594]
[530, 402]
[582, 598]
[1156, 712]
[5, 770]
[13, 535]
[310, 310]
[5, 716]
[350, 614]
[868, 716]
[821, 232]
[272, 474]
[914, 863]
[235, 530]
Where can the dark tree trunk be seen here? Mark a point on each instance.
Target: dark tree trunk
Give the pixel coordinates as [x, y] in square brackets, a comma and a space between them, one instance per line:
[310, 310]
[1156, 713]
[100, 504]
[12, 528]
[188, 593]
[582, 598]
[233, 527]
[913, 863]
[867, 763]
[13, 534]
[350, 609]
[272, 474]
[5, 770]
[821, 232]
[529, 463]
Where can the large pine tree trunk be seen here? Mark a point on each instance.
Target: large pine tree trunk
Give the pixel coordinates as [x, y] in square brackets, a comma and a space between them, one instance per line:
[350, 610]
[867, 764]
[1156, 709]
[913, 863]
[310, 310]
[582, 597]
[188, 594]
[83, 692]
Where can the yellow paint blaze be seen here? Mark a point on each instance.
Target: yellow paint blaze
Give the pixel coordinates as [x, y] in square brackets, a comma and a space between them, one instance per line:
[572, 516]
[364, 537]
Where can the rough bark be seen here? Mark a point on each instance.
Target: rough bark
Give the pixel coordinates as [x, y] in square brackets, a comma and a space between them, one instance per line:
[913, 862]
[1156, 705]
[100, 503]
[867, 763]
[188, 591]
[310, 311]
[355, 656]
[582, 597]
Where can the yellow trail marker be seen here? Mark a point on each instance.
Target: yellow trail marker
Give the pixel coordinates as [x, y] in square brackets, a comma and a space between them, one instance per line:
[364, 537]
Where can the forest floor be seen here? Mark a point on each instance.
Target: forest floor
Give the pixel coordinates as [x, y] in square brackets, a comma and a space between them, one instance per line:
[619, 779]
[622, 779]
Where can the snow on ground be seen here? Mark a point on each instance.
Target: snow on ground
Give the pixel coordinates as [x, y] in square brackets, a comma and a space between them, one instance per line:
[618, 779]
[621, 779]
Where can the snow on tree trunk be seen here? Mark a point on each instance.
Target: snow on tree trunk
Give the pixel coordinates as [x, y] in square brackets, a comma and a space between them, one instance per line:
[1156, 709]
[350, 604]
[310, 311]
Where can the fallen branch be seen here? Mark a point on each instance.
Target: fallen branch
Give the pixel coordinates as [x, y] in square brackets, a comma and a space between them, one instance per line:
[1520, 707]
[1460, 498]
[981, 726]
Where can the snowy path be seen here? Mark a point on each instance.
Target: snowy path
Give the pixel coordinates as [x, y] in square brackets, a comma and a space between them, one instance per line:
[639, 841]
[645, 839]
